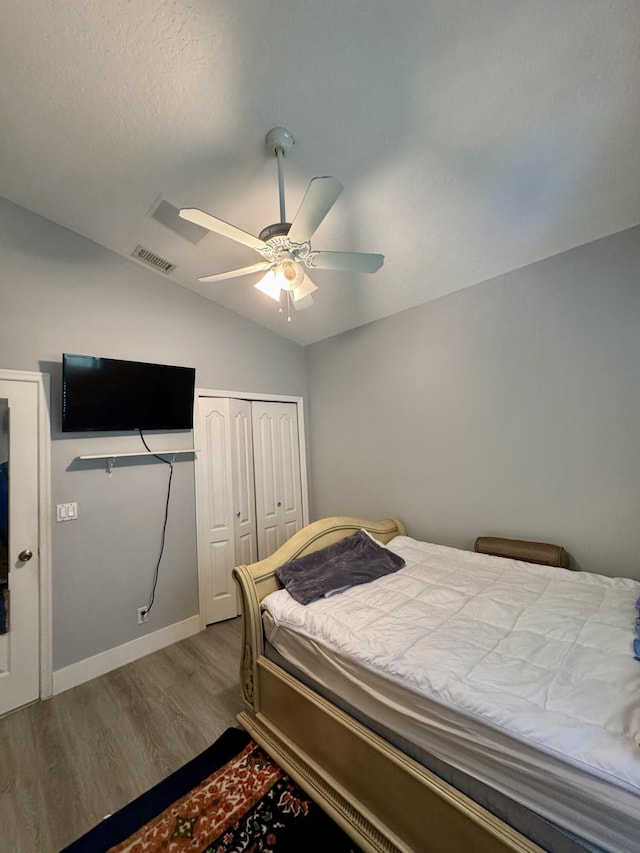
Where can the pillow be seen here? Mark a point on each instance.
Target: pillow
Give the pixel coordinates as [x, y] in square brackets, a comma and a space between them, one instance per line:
[636, 642]
[354, 560]
[519, 549]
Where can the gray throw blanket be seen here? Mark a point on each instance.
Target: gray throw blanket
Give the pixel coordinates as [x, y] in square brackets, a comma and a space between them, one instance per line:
[354, 560]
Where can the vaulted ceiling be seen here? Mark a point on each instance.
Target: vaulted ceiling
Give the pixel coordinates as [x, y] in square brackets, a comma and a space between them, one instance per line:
[472, 137]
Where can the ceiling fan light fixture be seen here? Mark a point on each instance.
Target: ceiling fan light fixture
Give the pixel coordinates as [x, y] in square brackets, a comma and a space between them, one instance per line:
[305, 289]
[269, 285]
[279, 283]
[290, 274]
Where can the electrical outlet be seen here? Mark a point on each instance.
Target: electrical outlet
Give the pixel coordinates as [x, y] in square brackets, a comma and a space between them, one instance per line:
[143, 615]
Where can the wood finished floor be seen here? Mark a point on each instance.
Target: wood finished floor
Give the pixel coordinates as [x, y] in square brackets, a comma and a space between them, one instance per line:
[69, 761]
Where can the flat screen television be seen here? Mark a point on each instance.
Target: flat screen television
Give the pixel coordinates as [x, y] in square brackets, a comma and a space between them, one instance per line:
[110, 395]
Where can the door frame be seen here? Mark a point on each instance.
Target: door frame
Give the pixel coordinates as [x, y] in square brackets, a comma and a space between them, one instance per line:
[200, 479]
[42, 382]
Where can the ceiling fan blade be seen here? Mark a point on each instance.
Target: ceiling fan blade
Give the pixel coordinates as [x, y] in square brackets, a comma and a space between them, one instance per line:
[318, 200]
[212, 223]
[221, 276]
[347, 261]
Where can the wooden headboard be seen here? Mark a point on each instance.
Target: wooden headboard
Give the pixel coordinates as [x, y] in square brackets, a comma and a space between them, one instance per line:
[312, 538]
[257, 580]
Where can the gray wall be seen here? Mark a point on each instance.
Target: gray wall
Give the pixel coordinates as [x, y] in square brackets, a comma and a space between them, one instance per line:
[60, 292]
[511, 408]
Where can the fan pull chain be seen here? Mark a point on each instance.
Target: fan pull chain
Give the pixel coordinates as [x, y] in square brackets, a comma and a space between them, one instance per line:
[285, 298]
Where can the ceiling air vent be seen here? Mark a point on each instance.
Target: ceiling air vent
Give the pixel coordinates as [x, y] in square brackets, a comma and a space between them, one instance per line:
[153, 260]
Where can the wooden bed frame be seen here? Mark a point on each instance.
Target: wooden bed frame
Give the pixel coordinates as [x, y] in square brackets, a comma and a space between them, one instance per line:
[382, 798]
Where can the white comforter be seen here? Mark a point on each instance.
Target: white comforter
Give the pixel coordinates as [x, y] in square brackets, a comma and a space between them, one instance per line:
[543, 653]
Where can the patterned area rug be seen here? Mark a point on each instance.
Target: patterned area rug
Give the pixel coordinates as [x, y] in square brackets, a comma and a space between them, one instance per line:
[230, 799]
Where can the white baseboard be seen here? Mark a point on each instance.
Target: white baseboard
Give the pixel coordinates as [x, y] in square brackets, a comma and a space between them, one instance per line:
[85, 670]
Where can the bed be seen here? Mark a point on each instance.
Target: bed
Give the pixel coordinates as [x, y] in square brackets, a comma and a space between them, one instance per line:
[412, 758]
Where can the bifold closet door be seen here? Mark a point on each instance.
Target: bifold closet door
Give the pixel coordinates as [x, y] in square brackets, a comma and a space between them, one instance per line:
[278, 486]
[248, 491]
[243, 488]
[226, 507]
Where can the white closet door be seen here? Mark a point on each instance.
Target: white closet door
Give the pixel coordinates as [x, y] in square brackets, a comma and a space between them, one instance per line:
[278, 486]
[215, 512]
[244, 508]
[248, 491]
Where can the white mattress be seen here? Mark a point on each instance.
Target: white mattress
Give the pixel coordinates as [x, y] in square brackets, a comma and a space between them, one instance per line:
[520, 675]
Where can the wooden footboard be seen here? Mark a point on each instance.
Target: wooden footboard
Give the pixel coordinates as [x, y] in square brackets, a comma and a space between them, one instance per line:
[384, 800]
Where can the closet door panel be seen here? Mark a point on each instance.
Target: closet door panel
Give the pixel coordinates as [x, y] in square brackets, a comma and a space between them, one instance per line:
[290, 527]
[246, 550]
[219, 492]
[216, 534]
[266, 465]
[244, 508]
[271, 540]
[265, 457]
[277, 474]
[220, 554]
[291, 489]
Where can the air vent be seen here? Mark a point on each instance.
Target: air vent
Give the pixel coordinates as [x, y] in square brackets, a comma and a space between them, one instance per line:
[153, 260]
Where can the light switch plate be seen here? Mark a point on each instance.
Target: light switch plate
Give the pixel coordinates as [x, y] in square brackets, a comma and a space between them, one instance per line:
[66, 512]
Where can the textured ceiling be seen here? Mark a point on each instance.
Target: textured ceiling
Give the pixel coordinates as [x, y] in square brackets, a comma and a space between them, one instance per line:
[472, 136]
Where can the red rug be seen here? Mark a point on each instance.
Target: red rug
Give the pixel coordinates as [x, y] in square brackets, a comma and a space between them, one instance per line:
[246, 804]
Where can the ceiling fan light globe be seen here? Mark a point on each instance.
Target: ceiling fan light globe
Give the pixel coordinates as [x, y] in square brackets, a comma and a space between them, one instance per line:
[305, 289]
[270, 285]
[290, 274]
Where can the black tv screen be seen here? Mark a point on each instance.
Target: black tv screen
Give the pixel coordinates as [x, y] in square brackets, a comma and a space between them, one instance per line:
[109, 395]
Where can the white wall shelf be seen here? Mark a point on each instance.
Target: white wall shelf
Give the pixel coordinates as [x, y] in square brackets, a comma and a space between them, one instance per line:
[111, 457]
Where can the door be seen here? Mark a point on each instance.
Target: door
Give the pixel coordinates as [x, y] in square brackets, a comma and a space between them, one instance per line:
[19, 547]
[216, 537]
[226, 504]
[276, 449]
[249, 497]
[243, 488]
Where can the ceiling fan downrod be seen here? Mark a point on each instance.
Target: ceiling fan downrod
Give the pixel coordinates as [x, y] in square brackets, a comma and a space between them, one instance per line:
[280, 141]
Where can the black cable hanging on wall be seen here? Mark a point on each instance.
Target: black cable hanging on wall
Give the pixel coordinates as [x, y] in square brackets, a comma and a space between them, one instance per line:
[164, 525]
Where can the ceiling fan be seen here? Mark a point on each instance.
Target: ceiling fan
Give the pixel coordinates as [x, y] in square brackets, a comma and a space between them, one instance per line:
[286, 247]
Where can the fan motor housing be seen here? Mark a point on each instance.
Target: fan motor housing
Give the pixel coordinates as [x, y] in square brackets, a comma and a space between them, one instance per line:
[279, 229]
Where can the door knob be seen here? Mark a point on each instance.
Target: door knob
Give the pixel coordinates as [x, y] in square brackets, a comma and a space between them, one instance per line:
[25, 555]
[279, 503]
